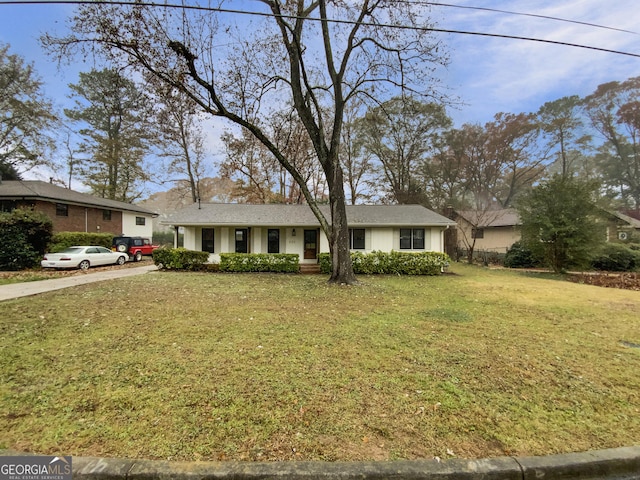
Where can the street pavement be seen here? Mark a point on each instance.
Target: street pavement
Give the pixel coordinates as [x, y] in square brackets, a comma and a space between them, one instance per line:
[25, 289]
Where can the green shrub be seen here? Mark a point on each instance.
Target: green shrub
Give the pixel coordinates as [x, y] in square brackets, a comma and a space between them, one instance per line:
[260, 262]
[63, 240]
[519, 256]
[179, 259]
[616, 257]
[396, 263]
[24, 236]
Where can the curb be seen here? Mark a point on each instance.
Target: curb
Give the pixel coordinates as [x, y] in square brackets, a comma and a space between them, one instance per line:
[612, 464]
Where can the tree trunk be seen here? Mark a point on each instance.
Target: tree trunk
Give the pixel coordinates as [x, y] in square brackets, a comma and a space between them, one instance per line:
[342, 269]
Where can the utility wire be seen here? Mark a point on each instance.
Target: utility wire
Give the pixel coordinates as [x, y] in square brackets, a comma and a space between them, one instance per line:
[294, 17]
[509, 12]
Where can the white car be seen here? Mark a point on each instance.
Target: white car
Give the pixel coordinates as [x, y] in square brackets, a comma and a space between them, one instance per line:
[83, 257]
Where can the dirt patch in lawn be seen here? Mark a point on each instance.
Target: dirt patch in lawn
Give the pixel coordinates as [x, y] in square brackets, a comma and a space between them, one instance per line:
[626, 281]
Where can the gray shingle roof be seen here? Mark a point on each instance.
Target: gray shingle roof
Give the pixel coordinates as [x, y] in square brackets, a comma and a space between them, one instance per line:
[36, 189]
[242, 214]
[632, 222]
[507, 217]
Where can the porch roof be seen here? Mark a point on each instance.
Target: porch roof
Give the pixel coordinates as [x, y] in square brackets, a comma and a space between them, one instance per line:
[281, 215]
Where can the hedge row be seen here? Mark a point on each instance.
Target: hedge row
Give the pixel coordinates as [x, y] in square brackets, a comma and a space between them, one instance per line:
[617, 257]
[179, 259]
[63, 240]
[396, 263]
[260, 262]
[610, 257]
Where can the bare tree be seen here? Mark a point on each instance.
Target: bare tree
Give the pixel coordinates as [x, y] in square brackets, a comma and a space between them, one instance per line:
[313, 54]
[357, 161]
[562, 126]
[614, 112]
[183, 139]
[250, 164]
[400, 134]
[513, 145]
[445, 173]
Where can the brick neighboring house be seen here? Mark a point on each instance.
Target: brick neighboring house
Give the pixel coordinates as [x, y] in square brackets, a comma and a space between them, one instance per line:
[72, 211]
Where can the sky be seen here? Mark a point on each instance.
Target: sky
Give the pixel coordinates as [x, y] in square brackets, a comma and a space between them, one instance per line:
[488, 75]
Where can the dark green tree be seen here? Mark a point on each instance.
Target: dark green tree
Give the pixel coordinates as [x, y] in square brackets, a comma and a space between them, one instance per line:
[114, 118]
[24, 236]
[25, 117]
[560, 222]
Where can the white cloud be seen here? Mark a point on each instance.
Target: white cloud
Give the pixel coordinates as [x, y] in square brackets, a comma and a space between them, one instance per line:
[497, 74]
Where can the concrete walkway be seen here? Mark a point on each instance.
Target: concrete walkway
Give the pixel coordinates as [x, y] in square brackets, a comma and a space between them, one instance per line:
[25, 289]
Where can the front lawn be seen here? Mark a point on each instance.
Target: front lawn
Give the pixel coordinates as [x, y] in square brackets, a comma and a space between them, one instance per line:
[204, 366]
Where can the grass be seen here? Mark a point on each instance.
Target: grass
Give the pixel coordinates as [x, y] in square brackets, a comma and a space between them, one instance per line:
[193, 366]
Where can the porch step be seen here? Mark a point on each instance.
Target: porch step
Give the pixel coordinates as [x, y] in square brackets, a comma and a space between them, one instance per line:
[309, 268]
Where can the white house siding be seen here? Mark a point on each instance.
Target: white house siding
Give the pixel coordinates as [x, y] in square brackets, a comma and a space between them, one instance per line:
[376, 238]
[130, 228]
[379, 239]
[192, 238]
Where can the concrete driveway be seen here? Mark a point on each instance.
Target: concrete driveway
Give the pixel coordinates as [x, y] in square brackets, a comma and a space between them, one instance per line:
[25, 289]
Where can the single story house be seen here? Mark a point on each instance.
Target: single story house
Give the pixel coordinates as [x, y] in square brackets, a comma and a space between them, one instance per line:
[623, 225]
[497, 230]
[280, 228]
[72, 211]
[492, 230]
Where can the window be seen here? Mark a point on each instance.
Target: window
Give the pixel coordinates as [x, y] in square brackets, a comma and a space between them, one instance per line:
[242, 240]
[273, 240]
[412, 238]
[141, 221]
[207, 240]
[106, 215]
[356, 238]
[62, 210]
[477, 232]
[8, 205]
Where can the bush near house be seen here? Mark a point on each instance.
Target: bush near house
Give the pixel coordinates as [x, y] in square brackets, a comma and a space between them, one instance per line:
[616, 257]
[179, 259]
[24, 236]
[394, 263]
[260, 262]
[519, 256]
[63, 240]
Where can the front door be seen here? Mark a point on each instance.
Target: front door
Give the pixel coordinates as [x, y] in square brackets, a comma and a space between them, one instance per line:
[242, 240]
[310, 244]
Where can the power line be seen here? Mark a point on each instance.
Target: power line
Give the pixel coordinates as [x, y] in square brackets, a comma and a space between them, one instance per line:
[338, 21]
[522, 14]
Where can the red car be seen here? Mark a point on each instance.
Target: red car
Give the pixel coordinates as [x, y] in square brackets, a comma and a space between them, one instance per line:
[136, 247]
